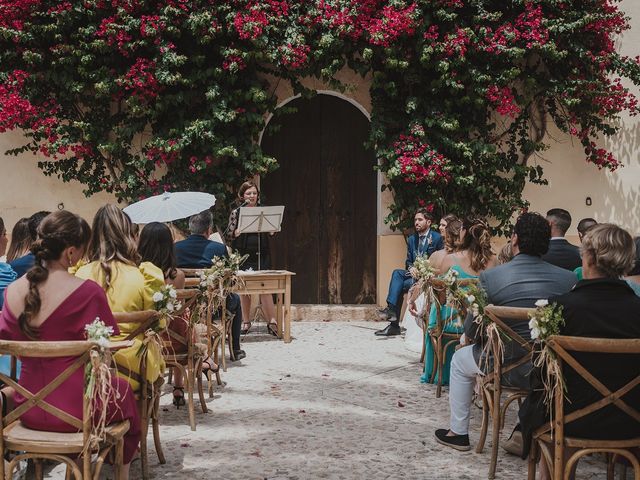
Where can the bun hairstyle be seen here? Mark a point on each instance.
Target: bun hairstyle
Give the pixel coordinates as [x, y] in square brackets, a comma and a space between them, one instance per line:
[112, 240]
[57, 232]
[477, 241]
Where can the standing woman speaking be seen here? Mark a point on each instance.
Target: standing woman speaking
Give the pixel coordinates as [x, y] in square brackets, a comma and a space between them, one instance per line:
[252, 244]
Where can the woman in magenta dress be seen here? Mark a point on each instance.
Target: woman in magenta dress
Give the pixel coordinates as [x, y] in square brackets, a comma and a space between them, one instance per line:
[49, 304]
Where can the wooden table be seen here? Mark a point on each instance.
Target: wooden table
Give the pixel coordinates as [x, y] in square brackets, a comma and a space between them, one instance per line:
[271, 281]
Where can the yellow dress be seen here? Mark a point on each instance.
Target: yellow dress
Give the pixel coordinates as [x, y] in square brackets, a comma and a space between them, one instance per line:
[131, 290]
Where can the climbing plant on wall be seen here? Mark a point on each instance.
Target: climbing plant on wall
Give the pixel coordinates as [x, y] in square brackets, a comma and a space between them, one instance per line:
[135, 96]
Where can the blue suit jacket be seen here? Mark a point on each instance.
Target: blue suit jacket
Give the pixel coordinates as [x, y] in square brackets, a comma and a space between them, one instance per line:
[434, 243]
[23, 264]
[196, 251]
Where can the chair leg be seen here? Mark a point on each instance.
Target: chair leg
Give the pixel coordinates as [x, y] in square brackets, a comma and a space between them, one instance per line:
[38, 469]
[438, 361]
[495, 438]
[156, 429]
[190, 385]
[117, 464]
[144, 430]
[533, 453]
[485, 422]
[198, 376]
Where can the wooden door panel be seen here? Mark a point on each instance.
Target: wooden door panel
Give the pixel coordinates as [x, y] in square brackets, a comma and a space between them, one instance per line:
[328, 186]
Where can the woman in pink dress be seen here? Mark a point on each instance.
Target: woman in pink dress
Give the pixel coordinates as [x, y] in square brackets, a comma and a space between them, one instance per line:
[49, 304]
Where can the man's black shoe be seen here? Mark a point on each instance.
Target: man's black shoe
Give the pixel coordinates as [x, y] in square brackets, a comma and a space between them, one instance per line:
[459, 442]
[388, 314]
[239, 354]
[389, 331]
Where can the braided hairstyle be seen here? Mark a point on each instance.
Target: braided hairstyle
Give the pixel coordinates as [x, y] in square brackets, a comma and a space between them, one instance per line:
[477, 242]
[56, 232]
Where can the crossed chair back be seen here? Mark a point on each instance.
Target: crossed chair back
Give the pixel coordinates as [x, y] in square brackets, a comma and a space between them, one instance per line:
[550, 439]
[440, 339]
[491, 383]
[60, 447]
[148, 396]
[188, 358]
[217, 334]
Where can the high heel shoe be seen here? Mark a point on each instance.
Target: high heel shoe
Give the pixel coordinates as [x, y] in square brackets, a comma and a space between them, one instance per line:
[178, 400]
[208, 368]
[243, 330]
[272, 328]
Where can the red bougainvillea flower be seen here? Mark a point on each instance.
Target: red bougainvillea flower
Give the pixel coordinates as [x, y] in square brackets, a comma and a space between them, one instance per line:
[503, 100]
[418, 162]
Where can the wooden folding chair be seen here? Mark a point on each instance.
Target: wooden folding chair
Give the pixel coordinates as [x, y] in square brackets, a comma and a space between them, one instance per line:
[214, 332]
[440, 339]
[59, 447]
[491, 383]
[189, 357]
[550, 439]
[148, 396]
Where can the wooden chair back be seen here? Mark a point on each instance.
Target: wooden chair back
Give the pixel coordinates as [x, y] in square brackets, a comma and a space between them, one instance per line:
[188, 298]
[505, 318]
[79, 349]
[564, 348]
[192, 277]
[439, 289]
[491, 383]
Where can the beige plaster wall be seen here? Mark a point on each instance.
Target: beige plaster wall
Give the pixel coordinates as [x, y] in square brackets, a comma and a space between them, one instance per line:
[24, 189]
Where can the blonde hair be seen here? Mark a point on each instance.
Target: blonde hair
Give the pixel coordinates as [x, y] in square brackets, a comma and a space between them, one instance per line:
[112, 240]
[611, 249]
[477, 241]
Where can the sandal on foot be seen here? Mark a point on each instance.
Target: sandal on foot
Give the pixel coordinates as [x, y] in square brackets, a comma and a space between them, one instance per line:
[272, 328]
[206, 369]
[246, 326]
[178, 400]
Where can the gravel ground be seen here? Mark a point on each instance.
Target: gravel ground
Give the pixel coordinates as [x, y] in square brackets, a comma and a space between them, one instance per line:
[336, 403]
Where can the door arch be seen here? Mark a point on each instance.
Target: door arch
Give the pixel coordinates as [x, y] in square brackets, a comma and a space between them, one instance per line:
[328, 185]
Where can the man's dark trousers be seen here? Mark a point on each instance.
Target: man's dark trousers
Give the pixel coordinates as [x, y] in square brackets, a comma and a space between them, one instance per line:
[400, 284]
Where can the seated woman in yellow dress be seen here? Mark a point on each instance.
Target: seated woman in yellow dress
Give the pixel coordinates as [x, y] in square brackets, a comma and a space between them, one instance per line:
[128, 284]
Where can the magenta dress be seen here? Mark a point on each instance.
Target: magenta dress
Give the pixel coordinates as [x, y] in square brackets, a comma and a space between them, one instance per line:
[67, 322]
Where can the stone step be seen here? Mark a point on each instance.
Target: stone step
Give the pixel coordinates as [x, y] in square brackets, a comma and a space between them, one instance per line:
[333, 313]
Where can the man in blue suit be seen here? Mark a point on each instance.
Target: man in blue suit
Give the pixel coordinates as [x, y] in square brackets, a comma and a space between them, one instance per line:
[197, 251]
[423, 242]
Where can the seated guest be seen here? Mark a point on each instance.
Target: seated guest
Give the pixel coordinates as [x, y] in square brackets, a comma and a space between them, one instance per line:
[7, 275]
[49, 304]
[599, 306]
[473, 256]
[129, 286]
[633, 278]
[437, 257]
[561, 253]
[156, 246]
[20, 240]
[197, 251]
[25, 262]
[423, 242]
[518, 283]
[583, 226]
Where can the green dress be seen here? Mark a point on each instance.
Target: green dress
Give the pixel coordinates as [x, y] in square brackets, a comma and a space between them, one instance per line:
[429, 357]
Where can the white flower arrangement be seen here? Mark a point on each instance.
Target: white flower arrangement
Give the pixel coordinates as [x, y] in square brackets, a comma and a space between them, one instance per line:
[422, 269]
[165, 301]
[545, 321]
[98, 332]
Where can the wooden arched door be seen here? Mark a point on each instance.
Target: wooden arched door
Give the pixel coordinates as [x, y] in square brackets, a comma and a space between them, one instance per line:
[327, 183]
